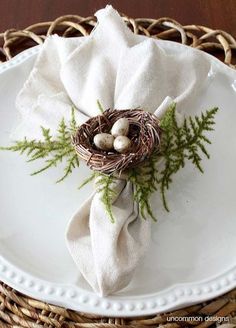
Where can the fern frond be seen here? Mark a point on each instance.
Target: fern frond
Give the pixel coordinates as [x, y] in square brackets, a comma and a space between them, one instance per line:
[73, 123]
[144, 179]
[181, 143]
[52, 150]
[107, 193]
[88, 180]
[71, 163]
[100, 107]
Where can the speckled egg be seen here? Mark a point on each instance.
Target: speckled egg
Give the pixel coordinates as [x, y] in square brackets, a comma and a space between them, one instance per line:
[120, 127]
[103, 141]
[122, 144]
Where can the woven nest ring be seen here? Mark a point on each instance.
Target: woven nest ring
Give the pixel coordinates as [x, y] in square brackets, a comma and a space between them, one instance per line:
[144, 133]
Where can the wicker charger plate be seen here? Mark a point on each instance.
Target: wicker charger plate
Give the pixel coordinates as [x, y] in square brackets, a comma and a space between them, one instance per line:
[17, 310]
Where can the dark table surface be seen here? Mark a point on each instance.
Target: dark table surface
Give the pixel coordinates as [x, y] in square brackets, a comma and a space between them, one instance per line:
[218, 14]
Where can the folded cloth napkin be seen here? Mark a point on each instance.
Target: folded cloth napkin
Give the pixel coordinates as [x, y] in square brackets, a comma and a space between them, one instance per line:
[105, 253]
[123, 71]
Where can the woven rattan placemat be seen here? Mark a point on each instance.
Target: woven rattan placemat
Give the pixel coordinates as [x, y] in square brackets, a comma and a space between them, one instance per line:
[17, 310]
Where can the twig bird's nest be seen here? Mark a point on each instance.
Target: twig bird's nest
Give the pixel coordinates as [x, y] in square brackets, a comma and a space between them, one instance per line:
[144, 133]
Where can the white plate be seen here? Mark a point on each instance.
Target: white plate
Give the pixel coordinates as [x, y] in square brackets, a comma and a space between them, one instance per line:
[192, 256]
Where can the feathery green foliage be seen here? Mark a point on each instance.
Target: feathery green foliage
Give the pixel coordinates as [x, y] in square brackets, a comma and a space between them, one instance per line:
[183, 142]
[88, 180]
[53, 151]
[104, 187]
[102, 110]
[144, 179]
[107, 193]
[179, 143]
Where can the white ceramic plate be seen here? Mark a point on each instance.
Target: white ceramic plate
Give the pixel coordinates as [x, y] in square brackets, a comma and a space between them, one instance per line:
[192, 256]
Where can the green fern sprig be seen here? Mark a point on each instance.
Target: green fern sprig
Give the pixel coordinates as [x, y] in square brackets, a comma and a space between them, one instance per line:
[183, 142]
[53, 151]
[107, 193]
[105, 189]
[144, 179]
[179, 143]
[88, 180]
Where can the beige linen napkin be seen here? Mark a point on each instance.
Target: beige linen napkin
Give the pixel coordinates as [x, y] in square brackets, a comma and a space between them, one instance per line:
[123, 71]
[106, 253]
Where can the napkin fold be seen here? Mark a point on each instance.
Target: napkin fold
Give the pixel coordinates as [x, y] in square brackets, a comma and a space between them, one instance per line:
[105, 253]
[123, 71]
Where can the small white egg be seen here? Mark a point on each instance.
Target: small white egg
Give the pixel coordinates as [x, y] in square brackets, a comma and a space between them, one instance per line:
[122, 144]
[103, 141]
[120, 127]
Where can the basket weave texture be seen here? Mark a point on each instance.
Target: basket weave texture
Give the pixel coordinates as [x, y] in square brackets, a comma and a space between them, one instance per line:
[17, 310]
